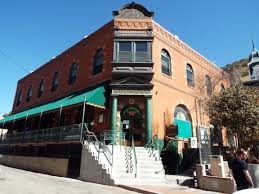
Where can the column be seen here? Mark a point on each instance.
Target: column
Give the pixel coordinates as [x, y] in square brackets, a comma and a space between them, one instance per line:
[148, 119]
[114, 116]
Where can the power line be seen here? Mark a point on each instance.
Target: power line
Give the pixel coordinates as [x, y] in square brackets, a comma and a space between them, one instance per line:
[13, 61]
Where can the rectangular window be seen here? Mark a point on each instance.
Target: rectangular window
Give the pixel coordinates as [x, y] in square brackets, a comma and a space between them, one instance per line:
[165, 65]
[41, 88]
[125, 51]
[19, 98]
[54, 82]
[141, 54]
[135, 51]
[29, 94]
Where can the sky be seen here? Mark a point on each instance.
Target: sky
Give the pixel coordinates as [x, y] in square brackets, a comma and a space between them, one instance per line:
[34, 31]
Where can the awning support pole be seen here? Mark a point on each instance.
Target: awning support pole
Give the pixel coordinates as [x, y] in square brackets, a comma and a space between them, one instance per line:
[24, 128]
[40, 119]
[13, 123]
[60, 112]
[2, 130]
[83, 120]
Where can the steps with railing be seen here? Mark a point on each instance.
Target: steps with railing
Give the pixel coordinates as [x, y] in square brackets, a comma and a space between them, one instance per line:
[123, 164]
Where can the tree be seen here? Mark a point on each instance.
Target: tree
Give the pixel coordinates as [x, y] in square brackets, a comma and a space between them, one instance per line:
[237, 109]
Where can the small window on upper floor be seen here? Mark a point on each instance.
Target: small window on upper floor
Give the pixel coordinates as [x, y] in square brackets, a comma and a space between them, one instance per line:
[208, 85]
[166, 62]
[55, 82]
[73, 73]
[98, 61]
[29, 94]
[41, 88]
[19, 98]
[222, 87]
[190, 75]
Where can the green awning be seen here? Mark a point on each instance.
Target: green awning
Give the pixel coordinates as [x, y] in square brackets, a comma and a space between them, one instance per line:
[184, 128]
[95, 97]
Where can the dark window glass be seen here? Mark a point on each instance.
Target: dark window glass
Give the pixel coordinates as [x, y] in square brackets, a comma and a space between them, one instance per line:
[141, 46]
[208, 85]
[189, 75]
[41, 88]
[222, 88]
[166, 62]
[125, 51]
[55, 82]
[19, 99]
[98, 61]
[141, 54]
[73, 73]
[29, 94]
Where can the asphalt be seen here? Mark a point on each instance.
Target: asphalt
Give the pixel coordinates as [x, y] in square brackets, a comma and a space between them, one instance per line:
[16, 181]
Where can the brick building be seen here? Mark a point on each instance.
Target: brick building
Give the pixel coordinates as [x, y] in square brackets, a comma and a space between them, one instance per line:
[130, 75]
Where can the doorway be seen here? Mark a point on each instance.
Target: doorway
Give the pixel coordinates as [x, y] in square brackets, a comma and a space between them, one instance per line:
[131, 120]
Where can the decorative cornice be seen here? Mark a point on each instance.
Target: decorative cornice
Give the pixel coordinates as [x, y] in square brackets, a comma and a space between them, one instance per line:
[160, 31]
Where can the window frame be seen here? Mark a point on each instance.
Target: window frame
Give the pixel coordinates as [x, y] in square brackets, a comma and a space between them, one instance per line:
[41, 88]
[73, 73]
[97, 67]
[55, 82]
[19, 98]
[164, 54]
[29, 94]
[189, 71]
[133, 51]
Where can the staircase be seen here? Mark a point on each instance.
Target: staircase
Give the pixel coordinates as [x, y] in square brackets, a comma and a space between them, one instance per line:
[118, 164]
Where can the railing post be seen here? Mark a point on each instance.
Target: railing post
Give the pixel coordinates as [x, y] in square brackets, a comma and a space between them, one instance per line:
[114, 116]
[83, 120]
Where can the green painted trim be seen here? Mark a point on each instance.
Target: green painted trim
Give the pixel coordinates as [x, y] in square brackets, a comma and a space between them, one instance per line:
[148, 120]
[114, 116]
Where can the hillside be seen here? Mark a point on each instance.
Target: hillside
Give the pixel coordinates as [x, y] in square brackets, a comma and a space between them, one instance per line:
[238, 71]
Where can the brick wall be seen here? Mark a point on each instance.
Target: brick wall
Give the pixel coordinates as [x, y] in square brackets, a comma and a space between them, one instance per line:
[82, 53]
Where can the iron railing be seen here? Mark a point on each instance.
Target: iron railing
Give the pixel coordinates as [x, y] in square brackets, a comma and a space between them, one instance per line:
[135, 156]
[119, 137]
[100, 147]
[56, 134]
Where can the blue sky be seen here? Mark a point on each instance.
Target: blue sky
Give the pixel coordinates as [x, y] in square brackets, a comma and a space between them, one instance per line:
[33, 31]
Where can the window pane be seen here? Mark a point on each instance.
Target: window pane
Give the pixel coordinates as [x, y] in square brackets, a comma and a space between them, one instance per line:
[125, 46]
[141, 46]
[165, 61]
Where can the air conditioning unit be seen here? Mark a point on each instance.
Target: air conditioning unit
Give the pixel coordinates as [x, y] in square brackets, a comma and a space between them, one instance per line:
[193, 143]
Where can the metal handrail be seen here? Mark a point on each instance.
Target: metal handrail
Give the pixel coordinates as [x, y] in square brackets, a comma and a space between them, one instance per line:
[64, 133]
[100, 147]
[135, 155]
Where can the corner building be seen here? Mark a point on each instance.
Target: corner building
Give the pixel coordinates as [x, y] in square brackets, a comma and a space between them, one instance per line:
[131, 76]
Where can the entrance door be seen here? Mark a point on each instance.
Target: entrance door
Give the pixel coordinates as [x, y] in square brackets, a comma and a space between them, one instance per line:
[131, 118]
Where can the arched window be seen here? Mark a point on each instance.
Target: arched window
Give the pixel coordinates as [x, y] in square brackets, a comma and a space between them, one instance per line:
[208, 85]
[73, 73]
[19, 99]
[190, 75]
[98, 61]
[181, 113]
[41, 88]
[29, 94]
[55, 82]
[166, 62]
[222, 88]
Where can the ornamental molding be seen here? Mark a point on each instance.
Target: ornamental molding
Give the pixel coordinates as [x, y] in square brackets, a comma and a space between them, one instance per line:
[131, 25]
[170, 38]
[117, 92]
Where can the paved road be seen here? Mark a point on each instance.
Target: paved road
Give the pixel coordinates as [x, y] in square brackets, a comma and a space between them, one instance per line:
[15, 181]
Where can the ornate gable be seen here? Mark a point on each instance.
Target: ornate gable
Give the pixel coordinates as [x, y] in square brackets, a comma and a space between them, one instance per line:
[133, 11]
